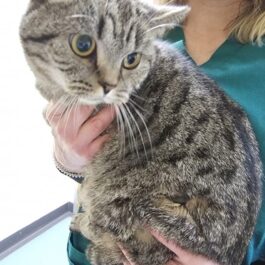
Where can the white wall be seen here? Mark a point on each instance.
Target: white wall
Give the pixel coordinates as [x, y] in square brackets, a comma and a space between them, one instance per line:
[30, 186]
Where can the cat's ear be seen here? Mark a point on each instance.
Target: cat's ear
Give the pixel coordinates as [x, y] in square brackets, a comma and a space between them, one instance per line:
[59, 1]
[162, 18]
[35, 4]
[40, 2]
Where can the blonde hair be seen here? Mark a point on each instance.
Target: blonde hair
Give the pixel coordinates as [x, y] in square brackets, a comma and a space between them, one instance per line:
[249, 26]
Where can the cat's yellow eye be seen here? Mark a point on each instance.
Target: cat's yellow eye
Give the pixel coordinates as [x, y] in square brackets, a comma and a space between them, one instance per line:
[82, 45]
[132, 60]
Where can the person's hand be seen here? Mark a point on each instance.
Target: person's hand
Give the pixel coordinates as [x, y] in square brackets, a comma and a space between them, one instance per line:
[78, 135]
[182, 257]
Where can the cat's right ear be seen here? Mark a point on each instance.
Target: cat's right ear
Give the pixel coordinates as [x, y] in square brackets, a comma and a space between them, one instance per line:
[162, 18]
[40, 2]
[35, 4]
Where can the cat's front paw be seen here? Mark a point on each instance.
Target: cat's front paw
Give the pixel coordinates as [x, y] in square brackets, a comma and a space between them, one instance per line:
[75, 223]
[116, 218]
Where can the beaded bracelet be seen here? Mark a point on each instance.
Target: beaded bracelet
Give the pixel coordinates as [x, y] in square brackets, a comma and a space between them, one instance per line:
[73, 175]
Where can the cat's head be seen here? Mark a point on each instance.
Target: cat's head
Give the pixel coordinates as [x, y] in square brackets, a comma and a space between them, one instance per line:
[96, 50]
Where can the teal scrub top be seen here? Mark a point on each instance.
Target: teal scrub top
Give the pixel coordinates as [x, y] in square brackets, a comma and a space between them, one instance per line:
[239, 69]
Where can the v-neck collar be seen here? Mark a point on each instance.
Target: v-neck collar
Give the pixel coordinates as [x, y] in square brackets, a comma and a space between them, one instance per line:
[227, 49]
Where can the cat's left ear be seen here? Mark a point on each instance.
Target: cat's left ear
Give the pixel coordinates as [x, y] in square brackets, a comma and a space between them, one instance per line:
[35, 4]
[59, 1]
[162, 18]
[41, 2]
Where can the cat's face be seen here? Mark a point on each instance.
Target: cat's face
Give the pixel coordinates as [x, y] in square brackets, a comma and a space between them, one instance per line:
[97, 50]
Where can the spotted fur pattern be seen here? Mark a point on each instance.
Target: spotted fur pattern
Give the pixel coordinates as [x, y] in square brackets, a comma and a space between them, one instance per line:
[185, 162]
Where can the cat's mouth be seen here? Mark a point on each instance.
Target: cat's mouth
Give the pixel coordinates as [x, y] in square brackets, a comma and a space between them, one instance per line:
[110, 99]
[85, 94]
[97, 95]
[117, 101]
[91, 101]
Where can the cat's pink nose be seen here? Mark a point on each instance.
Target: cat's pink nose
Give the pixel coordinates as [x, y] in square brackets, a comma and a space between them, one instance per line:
[106, 86]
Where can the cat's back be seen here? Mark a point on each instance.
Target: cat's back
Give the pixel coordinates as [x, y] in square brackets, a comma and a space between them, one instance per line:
[193, 127]
[192, 147]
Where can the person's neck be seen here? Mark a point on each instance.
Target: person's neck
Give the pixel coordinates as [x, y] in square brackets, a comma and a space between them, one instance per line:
[206, 27]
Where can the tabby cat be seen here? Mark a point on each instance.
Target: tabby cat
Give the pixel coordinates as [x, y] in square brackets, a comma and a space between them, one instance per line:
[183, 158]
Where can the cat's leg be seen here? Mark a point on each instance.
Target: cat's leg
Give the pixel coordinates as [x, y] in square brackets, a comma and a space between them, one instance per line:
[103, 248]
[144, 249]
[75, 222]
[101, 255]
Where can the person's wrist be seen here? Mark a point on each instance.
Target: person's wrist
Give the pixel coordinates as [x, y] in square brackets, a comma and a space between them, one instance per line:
[77, 176]
[69, 158]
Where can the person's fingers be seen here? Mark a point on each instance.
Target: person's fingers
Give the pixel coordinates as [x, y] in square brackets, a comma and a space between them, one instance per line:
[173, 262]
[77, 115]
[71, 161]
[53, 112]
[69, 124]
[169, 244]
[78, 136]
[93, 127]
[183, 256]
[128, 260]
[176, 261]
[57, 113]
[93, 148]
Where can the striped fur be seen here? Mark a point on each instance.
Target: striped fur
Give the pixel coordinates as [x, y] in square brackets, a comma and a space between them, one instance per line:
[183, 158]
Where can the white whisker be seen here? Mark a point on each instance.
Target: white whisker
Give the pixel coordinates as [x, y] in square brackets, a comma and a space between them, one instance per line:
[146, 128]
[106, 6]
[138, 128]
[58, 107]
[132, 102]
[127, 121]
[137, 96]
[77, 16]
[75, 110]
[120, 130]
[68, 113]
[172, 25]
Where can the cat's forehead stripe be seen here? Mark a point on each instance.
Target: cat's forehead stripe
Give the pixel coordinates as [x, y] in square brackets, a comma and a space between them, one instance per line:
[36, 55]
[101, 27]
[138, 36]
[127, 12]
[40, 39]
